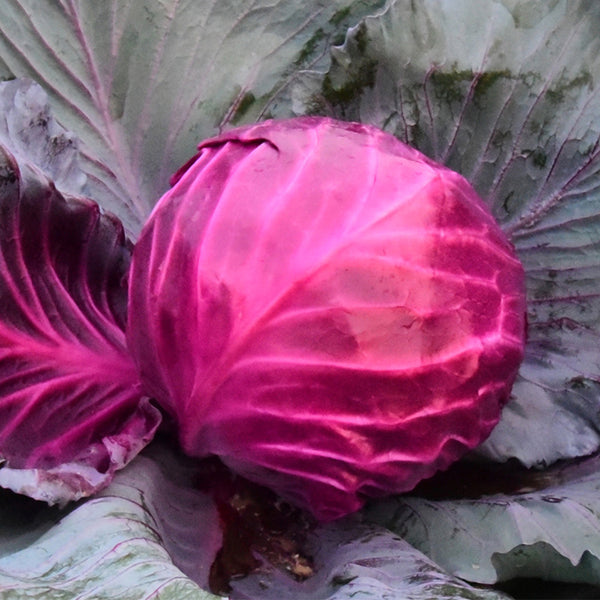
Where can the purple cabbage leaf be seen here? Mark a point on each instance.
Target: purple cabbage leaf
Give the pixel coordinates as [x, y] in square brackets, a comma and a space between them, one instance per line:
[152, 535]
[71, 407]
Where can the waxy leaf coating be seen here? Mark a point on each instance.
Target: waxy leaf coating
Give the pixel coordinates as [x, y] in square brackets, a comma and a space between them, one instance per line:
[333, 314]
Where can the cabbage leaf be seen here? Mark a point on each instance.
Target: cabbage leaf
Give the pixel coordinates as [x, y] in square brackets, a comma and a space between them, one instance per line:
[28, 128]
[141, 536]
[115, 545]
[552, 533]
[71, 408]
[142, 82]
[358, 560]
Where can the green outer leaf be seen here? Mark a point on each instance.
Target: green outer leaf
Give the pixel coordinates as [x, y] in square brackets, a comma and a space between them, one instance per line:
[115, 545]
[142, 83]
[505, 92]
[555, 411]
[357, 560]
[552, 534]
[499, 90]
[152, 535]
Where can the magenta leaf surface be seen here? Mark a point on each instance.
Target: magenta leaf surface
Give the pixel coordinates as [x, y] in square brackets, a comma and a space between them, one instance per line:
[71, 408]
[304, 301]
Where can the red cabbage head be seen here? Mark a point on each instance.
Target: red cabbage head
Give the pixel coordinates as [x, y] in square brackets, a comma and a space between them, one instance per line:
[332, 313]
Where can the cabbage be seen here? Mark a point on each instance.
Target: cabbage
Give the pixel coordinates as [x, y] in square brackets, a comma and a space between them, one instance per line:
[332, 313]
[505, 92]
